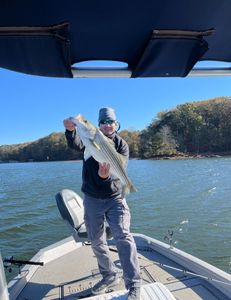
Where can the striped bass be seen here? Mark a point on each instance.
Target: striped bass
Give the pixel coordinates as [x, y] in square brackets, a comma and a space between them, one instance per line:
[103, 150]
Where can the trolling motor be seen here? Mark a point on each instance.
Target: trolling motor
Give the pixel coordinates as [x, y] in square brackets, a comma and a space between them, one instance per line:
[9, 261]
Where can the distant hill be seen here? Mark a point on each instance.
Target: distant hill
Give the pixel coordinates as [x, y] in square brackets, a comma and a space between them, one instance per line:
[50, 148]
[191, 129]
[54, 148]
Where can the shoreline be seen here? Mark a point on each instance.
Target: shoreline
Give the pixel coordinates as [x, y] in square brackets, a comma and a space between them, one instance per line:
[184, 156]
[178, 156]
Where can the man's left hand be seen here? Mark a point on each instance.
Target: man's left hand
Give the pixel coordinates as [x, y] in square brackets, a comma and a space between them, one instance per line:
[104, 170]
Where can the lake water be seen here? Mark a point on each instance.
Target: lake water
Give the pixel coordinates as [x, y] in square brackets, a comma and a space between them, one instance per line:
[190, 197]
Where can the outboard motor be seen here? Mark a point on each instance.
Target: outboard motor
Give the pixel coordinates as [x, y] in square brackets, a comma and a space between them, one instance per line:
[71, 208]
[3, 286]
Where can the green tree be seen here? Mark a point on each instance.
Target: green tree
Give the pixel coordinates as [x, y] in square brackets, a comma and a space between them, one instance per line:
[133, 140]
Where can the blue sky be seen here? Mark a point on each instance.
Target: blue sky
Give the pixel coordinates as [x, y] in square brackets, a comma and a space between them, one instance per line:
[33, 107]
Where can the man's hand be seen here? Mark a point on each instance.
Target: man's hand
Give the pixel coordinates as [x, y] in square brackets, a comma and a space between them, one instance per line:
[104, 170]
[69, 125]
[69, 122]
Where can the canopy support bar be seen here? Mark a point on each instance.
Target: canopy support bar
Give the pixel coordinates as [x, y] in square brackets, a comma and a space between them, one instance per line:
[126, 73]
[101, 72]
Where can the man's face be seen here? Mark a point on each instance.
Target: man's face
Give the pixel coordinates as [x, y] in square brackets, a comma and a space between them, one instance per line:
[108, 127]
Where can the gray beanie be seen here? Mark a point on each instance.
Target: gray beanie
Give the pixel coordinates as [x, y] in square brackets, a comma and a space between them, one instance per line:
[106, 113]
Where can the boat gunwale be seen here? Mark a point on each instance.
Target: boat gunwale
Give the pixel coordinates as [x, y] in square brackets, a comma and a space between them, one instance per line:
[216, 277]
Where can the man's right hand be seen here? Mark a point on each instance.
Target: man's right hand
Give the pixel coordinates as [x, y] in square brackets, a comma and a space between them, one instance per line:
[69, 125]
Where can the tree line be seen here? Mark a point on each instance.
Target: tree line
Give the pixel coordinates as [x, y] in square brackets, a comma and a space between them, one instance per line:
[191, 128]
[196, 128]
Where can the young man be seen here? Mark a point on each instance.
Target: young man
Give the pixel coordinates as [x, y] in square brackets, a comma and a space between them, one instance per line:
[103, 199]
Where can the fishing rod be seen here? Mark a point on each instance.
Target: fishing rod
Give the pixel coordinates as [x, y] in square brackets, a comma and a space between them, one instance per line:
[8, 261]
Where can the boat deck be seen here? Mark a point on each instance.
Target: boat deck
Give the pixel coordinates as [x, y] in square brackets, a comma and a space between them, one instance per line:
[71, 275]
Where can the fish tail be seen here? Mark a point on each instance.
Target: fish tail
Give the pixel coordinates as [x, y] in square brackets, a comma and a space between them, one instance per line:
[133, 188]
[129, 188]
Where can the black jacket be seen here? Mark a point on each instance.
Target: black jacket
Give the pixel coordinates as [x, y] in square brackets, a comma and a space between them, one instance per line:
[93, 185]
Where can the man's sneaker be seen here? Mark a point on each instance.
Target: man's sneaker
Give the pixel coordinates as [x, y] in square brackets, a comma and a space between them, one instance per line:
[101, 286]
[134, 293]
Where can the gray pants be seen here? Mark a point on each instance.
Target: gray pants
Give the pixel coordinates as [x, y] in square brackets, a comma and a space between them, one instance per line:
[117, 214]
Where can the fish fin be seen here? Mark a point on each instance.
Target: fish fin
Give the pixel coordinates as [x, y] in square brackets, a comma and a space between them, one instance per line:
[123, 159]
[93, 141]
[87, 154]
[95, 144]
[133, 188]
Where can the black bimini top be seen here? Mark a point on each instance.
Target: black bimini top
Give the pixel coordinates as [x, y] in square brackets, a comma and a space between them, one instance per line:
[155, 38]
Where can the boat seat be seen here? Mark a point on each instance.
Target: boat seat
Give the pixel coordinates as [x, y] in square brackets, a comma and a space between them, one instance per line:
[71, 208]
[153, 291]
